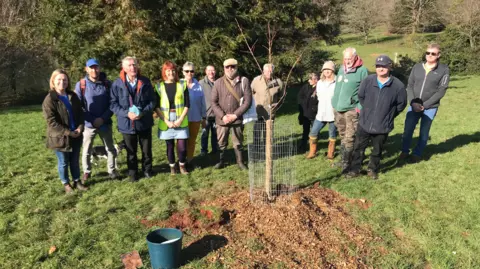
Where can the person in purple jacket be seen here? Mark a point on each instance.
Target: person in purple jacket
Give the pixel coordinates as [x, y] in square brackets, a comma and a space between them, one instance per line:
[94, 94]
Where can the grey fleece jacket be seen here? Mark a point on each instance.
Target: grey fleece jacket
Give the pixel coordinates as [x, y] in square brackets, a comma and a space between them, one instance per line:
[431, 87]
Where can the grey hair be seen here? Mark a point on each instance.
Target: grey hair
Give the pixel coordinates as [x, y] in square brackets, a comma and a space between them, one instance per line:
[353, 50]
[188, 64]
[265, 66]
[129, 58]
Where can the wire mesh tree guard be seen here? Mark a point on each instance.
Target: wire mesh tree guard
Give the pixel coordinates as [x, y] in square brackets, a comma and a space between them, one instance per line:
[271, 165]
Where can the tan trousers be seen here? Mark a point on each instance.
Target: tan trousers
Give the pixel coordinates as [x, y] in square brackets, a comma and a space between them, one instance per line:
[346, 123]
[223, 132]
[193, 128]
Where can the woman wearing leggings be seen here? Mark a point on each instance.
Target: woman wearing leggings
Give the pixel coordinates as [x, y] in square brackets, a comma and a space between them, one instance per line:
[172, 109]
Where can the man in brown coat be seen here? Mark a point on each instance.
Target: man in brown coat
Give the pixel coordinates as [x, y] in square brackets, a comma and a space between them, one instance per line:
[231, 98]
[267, 92]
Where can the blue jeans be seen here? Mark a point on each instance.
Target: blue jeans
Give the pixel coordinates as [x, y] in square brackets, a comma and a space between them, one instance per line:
[411, 121]
[209, 128]
[318, 126]
[69, 159]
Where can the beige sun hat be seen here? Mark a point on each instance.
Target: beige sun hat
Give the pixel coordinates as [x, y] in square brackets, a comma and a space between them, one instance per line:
[329, 65]
[230, 61]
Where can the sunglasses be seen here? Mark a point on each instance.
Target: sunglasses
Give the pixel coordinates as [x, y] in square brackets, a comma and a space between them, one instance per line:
[431, 53]
[189, 71]
[230, 67]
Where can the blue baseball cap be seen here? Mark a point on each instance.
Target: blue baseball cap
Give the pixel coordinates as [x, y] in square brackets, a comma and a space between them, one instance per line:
[91, 62]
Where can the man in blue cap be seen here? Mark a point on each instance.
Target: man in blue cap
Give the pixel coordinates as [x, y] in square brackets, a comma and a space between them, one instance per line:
[94, 93]
[382, 97]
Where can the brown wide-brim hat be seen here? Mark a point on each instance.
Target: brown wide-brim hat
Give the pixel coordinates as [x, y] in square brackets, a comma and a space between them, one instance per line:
[230, 61]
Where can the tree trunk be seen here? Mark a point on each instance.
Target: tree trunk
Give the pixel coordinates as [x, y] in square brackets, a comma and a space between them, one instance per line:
[268, 158]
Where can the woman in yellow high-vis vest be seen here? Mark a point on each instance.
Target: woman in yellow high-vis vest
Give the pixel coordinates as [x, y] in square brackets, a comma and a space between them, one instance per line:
[172, 109]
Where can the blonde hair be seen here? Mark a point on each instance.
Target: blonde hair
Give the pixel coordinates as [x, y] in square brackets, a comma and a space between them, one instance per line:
[434, 46]
[55, 74]
[188, 64]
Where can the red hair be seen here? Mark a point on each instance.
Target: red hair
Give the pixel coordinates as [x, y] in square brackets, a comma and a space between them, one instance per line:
[167, 65]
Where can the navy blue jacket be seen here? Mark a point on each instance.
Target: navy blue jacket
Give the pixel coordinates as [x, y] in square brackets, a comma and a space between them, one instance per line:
[380, 106]
[143, 99]
[95, 101]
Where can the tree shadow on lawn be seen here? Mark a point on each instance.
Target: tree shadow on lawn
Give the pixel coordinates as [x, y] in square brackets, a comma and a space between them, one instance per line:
[202, 247]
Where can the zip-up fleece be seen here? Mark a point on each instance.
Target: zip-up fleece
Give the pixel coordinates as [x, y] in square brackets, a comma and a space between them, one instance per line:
[345, 96]
[143, 99]
[380, 106]
[431, 87]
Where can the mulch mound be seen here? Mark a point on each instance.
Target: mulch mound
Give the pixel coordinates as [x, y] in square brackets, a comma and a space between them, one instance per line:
[309, 229]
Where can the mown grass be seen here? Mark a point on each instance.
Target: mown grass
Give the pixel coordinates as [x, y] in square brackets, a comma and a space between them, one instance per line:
[425, 213]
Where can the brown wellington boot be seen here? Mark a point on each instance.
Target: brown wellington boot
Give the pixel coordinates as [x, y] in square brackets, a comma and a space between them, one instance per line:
[331, 149]
[313, 148]
[79, 186]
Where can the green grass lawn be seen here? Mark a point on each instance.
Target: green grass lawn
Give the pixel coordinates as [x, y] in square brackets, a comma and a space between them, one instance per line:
[427, 214]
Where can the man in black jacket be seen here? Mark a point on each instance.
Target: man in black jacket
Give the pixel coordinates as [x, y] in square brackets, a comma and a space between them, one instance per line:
[382, 97]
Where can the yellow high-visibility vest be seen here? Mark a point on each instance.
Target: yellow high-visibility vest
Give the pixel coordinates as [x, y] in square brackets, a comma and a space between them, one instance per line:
[165, 104]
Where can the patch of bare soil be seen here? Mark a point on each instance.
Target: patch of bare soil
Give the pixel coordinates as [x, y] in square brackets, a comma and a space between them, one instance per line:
[309, 229]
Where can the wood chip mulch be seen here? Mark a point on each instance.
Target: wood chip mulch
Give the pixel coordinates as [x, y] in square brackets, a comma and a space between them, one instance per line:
[309, 229]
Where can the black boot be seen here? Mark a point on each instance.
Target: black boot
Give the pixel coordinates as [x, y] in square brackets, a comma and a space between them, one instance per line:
[339, 163]
[346, 160]
[220, 163]
[239, 156]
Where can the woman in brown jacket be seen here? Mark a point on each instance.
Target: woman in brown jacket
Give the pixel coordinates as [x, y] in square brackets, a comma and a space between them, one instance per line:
[64, 115]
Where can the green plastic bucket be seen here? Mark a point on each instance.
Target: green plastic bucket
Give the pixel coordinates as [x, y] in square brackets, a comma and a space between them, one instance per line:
[164, 247]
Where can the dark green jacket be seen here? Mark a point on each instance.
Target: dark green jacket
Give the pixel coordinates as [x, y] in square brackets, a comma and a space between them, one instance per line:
[345, 97]
[56, 114]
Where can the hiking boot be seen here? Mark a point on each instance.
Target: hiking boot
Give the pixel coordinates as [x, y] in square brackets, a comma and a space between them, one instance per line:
[203, 154]
[415, 159]
[133, 178]
[68, 188]
[85, 177]
[313, 148]
[220, 163]
[239, 157]
[331, 149]
[403, 156]
[372, 174]
[353, 174]
[79, 186]
[148, 174]
[183, 169]
[114, 175]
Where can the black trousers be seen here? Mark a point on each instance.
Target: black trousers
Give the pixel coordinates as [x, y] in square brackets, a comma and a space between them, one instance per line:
[144, 139]
[307, 124]
[362, 139]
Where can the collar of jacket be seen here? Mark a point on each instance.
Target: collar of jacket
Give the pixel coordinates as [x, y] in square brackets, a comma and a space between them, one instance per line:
[234, 80]
[433, 68]
[387, 84]
[123, 77]
[54, 94]
[208, 81]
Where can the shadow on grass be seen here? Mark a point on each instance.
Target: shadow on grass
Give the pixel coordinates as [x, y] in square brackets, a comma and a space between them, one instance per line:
[202, 247]
[459, 78]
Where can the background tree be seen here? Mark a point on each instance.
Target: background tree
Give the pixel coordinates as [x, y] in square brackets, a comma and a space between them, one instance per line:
[362, 16]
[415, 16]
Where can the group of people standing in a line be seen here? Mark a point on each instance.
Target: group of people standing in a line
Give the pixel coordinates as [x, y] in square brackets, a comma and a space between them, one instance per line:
[362, 107]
